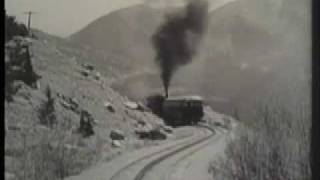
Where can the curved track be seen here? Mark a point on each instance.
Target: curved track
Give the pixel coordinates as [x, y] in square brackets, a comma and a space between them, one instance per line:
[136, 164]
[168, 149]
[156, 161]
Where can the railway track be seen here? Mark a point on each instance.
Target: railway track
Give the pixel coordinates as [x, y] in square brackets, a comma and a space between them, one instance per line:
[134, 167]
[118, 173]
[141, 174]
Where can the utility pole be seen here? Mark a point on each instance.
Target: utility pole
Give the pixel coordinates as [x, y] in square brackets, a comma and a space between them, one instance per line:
[29, 13]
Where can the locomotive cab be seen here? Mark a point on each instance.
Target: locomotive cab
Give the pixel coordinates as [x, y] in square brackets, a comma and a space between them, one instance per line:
[186, 110]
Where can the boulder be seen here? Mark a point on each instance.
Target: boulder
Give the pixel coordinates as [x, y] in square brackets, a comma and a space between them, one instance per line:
[28, 40]
[117, 135]
[157, 134]
[97, 76]
[116, 143]
[65, 104]
[108, 106]
[71, 148]
[141, 107]
[131, 105]
[141, 122]
[88, 67]
[167, 129]
[143, 129]
[85, 73]
[153, 134]
[74, 102]
[69, 103]
[148, 126]
[218, 124]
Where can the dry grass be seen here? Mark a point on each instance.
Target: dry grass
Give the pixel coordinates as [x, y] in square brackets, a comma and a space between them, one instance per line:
[55, 156]
[275, 146]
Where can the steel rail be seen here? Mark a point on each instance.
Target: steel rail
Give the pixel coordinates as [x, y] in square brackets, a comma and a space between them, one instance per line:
[150, 165]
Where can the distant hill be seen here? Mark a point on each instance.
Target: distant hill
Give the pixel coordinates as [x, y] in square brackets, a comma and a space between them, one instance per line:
[124, 34]
[245, 49]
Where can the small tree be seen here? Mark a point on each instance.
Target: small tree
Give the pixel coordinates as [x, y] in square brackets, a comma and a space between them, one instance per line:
[30, 76]
[18, 67]
[86, 128]
[12, 28]
[47, 114]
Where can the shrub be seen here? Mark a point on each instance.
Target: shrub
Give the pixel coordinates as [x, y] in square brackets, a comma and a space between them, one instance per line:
[13, 28]
[18, 67]
[46, 111]
[275, 147]
[52, 158]
[86, 128]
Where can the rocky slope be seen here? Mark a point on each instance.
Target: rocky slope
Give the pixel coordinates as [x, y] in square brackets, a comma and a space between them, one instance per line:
[92, 123]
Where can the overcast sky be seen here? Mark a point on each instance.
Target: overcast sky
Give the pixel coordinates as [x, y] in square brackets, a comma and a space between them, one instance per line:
[73, 14]
[64, 17]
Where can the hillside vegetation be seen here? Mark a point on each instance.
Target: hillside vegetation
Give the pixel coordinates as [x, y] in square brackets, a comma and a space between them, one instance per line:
[61, 122]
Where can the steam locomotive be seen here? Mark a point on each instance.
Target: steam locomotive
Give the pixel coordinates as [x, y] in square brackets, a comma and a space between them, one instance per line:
[178, 110]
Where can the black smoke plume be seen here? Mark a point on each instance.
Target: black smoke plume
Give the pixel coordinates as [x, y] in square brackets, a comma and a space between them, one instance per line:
[177, 39]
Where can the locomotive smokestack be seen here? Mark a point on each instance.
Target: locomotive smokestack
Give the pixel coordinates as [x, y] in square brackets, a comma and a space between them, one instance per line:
[176, 40]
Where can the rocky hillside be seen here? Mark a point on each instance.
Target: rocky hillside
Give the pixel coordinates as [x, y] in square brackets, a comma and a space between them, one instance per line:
[69, 118]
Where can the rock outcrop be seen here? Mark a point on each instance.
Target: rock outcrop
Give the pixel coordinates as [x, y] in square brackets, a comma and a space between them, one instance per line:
[116, 134]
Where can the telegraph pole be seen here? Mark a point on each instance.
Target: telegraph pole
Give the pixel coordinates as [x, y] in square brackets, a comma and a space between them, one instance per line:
[29, 13]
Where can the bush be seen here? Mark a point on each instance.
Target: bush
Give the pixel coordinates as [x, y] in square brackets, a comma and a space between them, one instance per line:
[18, 67]
[275, 147]
[46, 111]
[12, 28]
[86, 128]
[52, 158]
